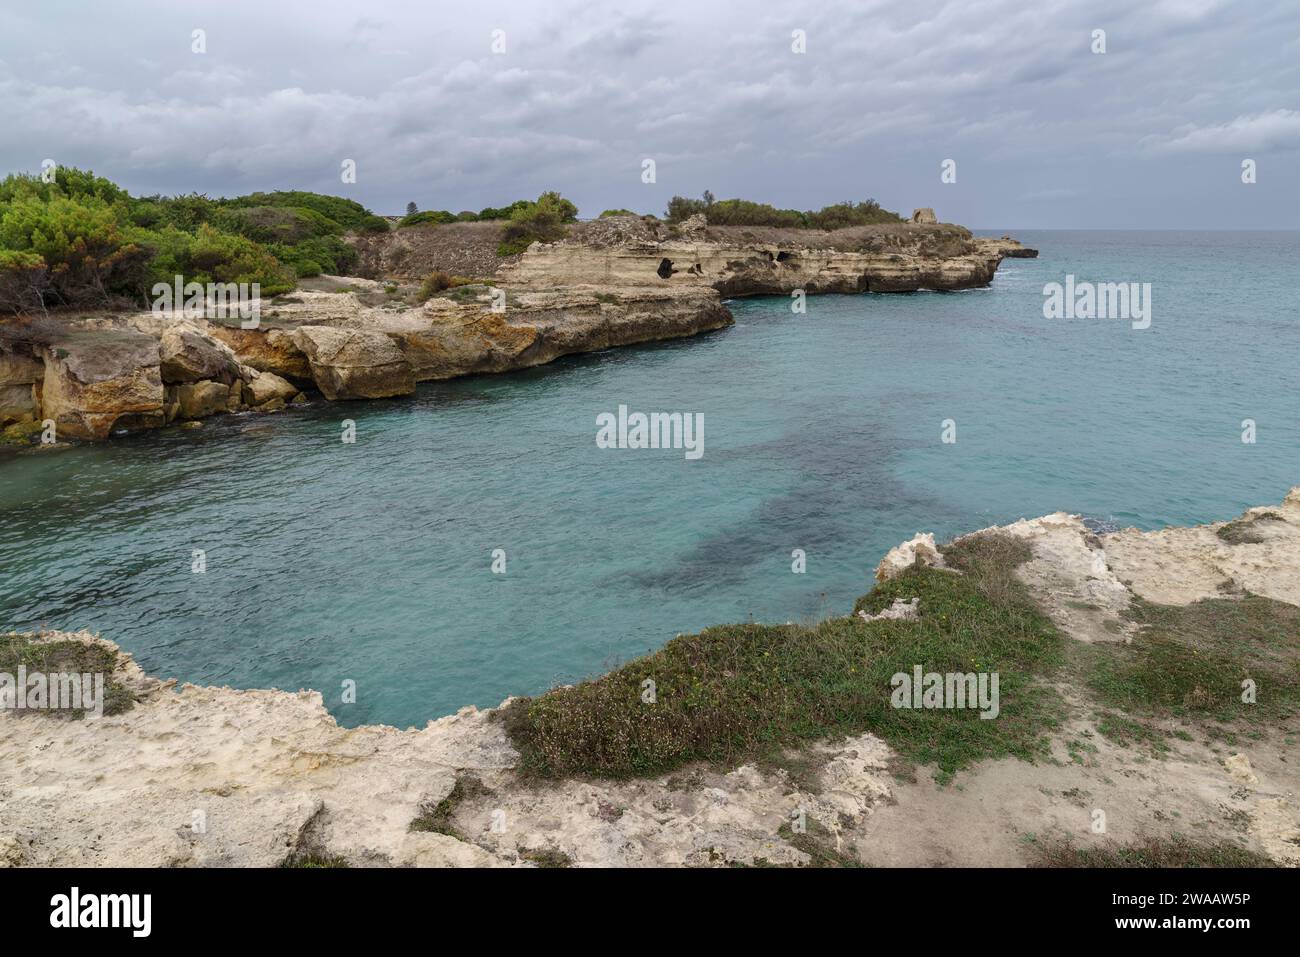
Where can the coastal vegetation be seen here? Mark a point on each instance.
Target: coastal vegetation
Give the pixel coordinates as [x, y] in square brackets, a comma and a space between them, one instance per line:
[542, 221]
[65, 657]
[438, 281]
[744, 212]
[80, 240]
[519, 208]
[752, 692]
[439, 818]
[1174, 851]
[1223, 660]
[749, 691]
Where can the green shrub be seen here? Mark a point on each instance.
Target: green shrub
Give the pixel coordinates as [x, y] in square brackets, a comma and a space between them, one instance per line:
[184, 212]
[842, 215]
[743, 212]
[69, 182]
[209, 255]
[681, 209]
[81, 241]
[542, 221]
[86, 257]
[504, 212]
[439, 281]
[329, 253]
[617, 212]
[346, 212]
[436, 216]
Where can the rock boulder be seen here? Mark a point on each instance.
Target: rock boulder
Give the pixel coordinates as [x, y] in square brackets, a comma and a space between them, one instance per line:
[18, 377]
[201, 399]
[355, 363]
[96, 381]
[267, 387]
[186, 354]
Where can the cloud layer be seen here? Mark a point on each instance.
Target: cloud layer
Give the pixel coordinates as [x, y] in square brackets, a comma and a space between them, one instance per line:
[1044, 131]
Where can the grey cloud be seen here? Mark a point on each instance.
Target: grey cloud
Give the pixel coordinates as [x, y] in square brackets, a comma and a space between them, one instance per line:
[1044, 132]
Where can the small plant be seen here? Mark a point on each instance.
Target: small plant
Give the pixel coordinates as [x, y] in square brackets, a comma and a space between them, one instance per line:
[542, 221]
[1163, 852]
[545, 857]
[438, 818]
[439, 281]
[1247, 530]
[67, 657]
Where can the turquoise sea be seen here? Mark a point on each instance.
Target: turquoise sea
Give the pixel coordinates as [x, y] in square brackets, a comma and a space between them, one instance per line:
[373, 561]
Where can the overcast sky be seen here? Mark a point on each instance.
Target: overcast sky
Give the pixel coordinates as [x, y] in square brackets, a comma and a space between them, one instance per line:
[1044, 132]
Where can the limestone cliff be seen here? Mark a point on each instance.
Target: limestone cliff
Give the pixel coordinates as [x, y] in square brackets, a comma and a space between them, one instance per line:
[749, 261]
[611, 282]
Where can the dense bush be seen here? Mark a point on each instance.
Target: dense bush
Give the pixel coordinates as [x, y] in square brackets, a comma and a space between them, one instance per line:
[504, 212]
[75, 251]
[842, 215]
[69, 183]
[439, 281]
[346, 212]
[743, 212]
[542, 221]
[617, 212]
[436, 216]
[209, 255]
[82, 241]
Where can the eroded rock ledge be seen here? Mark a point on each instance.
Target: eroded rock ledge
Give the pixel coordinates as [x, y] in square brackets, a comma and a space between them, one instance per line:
[758, 260]
[214, 776]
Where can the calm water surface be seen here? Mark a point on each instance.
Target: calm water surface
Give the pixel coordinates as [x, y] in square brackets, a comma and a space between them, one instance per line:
[372, 561]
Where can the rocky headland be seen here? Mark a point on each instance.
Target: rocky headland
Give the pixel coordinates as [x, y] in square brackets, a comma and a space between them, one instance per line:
[610, 282]
[190, 776]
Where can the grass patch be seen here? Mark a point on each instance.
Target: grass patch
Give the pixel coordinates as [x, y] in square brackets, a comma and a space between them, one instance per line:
[65, 657]
[545, 857]
[438, 817]
[1128, 733]
[1175, 851]
[1191, 661]
[816, 841]
[1245, 530]
[463, 293]
[744, 692]
[313, 860]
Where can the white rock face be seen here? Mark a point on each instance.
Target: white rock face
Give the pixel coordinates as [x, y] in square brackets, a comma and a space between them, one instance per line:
[1177, 566]
[900, 610]
[201, 776]
[902, 557]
